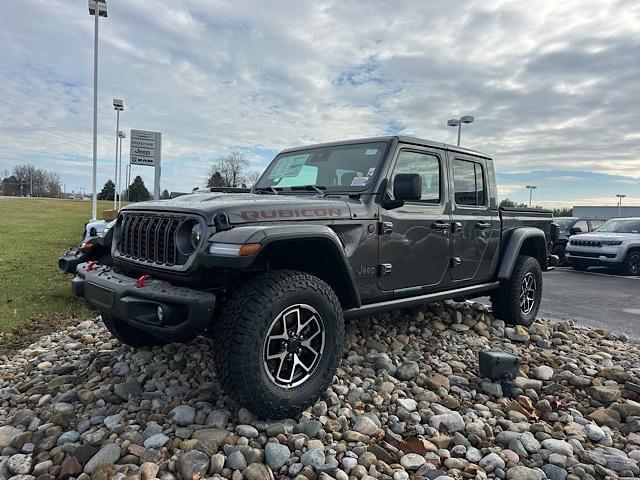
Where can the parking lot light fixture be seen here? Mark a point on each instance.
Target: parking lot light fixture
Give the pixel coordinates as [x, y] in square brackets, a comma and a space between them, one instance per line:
[118, 106]
[121, 136]
[531, 189]
[620, 197]
[97, 8]
[457, 122]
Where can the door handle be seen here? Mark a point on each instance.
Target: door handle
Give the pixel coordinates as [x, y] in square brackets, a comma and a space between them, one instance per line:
[483, 225]
[440, 226]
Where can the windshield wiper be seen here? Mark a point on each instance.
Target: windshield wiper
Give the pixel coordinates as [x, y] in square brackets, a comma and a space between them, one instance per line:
[319, 189]
[269, 189]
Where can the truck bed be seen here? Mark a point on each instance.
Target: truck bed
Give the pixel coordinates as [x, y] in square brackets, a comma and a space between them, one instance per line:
[513, 218]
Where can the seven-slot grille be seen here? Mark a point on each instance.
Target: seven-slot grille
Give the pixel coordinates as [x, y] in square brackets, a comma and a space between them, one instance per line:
[586, 243]
[150, 237]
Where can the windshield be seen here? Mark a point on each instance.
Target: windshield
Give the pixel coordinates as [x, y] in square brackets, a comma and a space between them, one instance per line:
[620, 226]
[337, 168]
[565, 224]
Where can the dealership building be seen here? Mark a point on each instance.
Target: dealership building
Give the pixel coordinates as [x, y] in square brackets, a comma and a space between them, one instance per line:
[605, 212]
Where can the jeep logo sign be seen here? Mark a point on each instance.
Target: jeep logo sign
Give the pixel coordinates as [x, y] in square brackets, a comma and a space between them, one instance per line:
[290, 213]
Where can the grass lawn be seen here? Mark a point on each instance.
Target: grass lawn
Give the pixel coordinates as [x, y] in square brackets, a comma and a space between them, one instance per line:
[34, 232]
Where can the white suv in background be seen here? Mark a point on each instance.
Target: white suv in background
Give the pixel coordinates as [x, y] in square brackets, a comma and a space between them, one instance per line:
[615, 243]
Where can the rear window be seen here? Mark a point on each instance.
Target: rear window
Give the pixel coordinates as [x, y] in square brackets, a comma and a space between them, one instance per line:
[468, 181]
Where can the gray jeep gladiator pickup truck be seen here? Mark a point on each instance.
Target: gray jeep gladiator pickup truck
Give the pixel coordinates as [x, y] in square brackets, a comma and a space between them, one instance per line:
[329, 232]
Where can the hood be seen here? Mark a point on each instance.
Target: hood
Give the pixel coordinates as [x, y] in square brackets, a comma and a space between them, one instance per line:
[604, 236]
[251, 208]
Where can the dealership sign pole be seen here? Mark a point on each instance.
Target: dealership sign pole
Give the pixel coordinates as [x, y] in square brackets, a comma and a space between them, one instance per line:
[144, 149]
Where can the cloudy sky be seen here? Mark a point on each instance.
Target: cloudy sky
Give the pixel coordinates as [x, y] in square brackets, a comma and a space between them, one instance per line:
[554, 86]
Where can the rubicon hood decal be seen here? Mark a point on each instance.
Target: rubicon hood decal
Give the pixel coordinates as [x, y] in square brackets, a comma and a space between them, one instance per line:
[268, 214]
[251, 208]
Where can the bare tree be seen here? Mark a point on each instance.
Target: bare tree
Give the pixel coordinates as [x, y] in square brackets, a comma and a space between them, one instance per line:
[252, 177]
[53, 183]
[232, 168]
[37, 182]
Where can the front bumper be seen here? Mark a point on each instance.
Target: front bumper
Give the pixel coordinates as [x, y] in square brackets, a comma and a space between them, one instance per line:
[70, 260]
[185, 312]
[594, 256]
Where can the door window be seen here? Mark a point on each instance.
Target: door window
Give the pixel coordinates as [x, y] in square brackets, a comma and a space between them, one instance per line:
[582, 225]
[427, 166]
[468, 179]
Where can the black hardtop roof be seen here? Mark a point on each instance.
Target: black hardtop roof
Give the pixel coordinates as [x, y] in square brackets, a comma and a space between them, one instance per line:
[400, 138]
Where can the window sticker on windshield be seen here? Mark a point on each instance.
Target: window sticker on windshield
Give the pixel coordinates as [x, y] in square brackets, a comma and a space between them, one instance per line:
[371, 151]
[359, 181]
[288, 166]
[371, 171]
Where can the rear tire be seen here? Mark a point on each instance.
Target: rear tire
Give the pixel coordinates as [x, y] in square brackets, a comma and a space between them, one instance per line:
[278, 342]
[632, 263]
[129, 335]
[517, 300]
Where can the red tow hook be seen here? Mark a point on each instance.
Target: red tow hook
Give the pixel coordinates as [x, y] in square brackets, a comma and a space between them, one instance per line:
[91, 265]
[141, 281]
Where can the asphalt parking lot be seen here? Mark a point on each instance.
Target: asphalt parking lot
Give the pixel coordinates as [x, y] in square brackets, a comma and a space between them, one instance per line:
[597, 297]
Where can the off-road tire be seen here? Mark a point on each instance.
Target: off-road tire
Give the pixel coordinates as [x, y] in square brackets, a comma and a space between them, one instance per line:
[129, 335]
[506, 299]
[239, 341]
[630, 267]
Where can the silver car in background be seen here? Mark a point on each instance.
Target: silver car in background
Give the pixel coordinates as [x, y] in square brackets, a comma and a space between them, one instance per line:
[614, 244]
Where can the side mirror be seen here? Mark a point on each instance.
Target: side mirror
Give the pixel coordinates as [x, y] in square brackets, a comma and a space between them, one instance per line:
[407, 186]
[575, 230]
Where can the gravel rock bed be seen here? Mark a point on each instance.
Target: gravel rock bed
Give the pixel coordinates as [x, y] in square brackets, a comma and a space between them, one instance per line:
[406, 402]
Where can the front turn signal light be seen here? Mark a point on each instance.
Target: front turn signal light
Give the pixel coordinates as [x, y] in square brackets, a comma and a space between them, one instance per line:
[234, 250]
[249, 249]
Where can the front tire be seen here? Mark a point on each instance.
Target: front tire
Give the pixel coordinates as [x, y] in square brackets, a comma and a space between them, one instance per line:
[129, 335]
[632, 263]
[517, 300]
[278, 342]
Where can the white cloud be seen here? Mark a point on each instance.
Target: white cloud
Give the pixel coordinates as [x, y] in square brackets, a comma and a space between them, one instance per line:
[505, 188]
[553, 85]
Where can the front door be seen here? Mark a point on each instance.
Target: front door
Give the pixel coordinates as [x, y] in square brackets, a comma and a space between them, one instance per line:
[475, 231]
[414, 238]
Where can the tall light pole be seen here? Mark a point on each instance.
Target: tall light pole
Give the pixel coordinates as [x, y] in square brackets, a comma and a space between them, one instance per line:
[128, 179]
[620, 197]
[97, 8]
[122, 136]
[457, 122]
[531, 189]
[118, 106]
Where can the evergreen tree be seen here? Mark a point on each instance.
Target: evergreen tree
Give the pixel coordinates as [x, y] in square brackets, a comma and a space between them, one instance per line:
[108, 191]
[216, 180]
[137, 191]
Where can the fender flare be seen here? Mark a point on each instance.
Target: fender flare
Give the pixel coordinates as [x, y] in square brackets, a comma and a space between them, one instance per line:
[273, 234]
[514, 246]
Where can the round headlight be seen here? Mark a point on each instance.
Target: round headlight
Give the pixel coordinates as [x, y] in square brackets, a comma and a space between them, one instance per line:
[196, 235]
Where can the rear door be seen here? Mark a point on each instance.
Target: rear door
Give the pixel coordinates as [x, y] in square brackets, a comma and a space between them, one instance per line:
[475, 230]
[414, 238]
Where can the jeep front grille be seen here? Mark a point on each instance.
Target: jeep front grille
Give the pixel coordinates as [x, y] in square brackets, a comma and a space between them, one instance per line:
[150, 238]
[586, 243]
